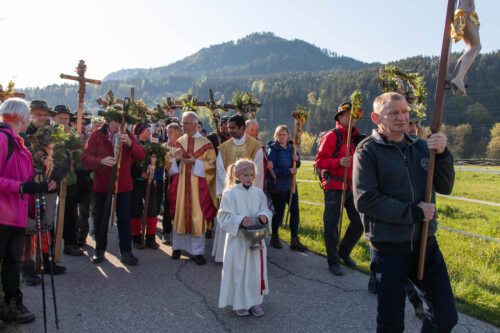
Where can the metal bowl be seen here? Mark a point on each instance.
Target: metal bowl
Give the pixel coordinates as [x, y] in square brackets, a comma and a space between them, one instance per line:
[255, 233]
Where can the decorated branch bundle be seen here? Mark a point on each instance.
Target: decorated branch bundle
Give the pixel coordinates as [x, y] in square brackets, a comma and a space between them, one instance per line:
[246, 104]
[154, 149]
[9, 93]
[410, 85]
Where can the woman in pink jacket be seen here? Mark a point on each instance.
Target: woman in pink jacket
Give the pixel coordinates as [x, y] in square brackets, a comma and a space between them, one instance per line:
[16, 184]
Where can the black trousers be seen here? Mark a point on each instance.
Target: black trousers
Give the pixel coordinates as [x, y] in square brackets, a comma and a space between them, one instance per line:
[331, 218]
[11, 250]
[280, 201]
[138, 196]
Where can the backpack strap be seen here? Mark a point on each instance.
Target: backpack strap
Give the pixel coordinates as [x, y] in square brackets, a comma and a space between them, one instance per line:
[10, 142]
[339, 141]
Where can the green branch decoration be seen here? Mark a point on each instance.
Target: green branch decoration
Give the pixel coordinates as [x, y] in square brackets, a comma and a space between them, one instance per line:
[157, 149]
[357, 103]
[246, 104]
[300, 114]
[189, 103]
[9, 93]
[411, 85]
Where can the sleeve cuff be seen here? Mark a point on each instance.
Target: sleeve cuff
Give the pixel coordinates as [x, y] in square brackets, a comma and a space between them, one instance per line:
[417, 214]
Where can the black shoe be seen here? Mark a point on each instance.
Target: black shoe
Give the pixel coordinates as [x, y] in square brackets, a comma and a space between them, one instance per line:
[275, 242]
[199, 260]
[31, 279]
[98, 256]
[296, 245]
[73, 250]
[81, 242]
[56, 269]
[15, 311]
[349, 262]
[138, 242]
[176, 254]
[129, 259]
[166, 238]
[151, 242]
[335, 269]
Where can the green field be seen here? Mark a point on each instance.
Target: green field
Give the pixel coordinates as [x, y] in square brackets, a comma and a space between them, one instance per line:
[473, 263]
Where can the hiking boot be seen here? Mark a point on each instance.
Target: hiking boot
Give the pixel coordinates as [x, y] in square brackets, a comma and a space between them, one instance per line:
[242, 313]
[275, 242]
[31, 279]
[138, 242]
[176, 254]
[73, 250]
[335, 269]
[151, 242]
[199, 260]
[56, 269]
[127, 258]
[296, 245]
[257, 310]
[98, 256]
[349, 262]
[14, 310]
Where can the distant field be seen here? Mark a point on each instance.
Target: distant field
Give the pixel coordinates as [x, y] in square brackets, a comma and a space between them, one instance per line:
[472, 262]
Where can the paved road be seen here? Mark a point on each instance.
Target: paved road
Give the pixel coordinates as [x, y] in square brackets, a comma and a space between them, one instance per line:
[162, 295]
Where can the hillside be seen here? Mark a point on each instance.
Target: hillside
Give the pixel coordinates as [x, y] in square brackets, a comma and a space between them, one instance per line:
[255, 54]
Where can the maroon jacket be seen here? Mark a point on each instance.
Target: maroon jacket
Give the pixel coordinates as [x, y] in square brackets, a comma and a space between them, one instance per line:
[326, 160]
[98, 146]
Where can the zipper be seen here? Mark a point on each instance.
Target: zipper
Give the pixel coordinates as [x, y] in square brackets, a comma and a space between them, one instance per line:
[411, 188]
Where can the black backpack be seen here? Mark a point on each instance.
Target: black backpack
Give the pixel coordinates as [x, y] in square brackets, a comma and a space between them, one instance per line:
[10, 141]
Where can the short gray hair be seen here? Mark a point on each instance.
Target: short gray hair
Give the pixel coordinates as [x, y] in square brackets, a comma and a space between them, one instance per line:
[382, 101]
[15, 107]
[251, 122]
[192, 115]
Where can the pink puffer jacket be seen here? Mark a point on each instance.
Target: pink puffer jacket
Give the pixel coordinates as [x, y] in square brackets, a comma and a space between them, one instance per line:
[14, 171]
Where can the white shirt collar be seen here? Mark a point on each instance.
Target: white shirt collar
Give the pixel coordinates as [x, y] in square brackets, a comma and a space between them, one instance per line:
[240, 141]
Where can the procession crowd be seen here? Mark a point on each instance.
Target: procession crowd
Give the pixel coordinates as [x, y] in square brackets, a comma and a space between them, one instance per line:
[225, 185]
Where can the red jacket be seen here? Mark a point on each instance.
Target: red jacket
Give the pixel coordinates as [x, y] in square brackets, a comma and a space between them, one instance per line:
[326, 160]
[98, 147]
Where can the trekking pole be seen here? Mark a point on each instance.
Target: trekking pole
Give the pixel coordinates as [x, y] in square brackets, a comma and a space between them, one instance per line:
[39, 251]
[51, 259]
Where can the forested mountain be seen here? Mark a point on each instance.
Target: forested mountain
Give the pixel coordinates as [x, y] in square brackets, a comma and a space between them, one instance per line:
[256, 54]
[322, 88]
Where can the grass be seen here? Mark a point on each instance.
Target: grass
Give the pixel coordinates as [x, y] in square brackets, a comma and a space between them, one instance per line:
[472, 262]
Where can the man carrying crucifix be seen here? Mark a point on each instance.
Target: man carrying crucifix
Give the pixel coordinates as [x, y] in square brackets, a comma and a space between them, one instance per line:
[332, 160]
[389, 180]
[98, 155]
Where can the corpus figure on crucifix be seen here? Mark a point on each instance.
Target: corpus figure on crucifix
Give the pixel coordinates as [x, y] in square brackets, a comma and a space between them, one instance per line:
[465, 26]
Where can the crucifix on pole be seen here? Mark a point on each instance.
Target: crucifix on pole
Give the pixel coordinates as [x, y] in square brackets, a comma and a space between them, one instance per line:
[82, 81]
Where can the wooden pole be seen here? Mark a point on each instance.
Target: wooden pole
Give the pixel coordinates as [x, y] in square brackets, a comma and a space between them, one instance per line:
[344, 183]
[61, 208]
[437, 119]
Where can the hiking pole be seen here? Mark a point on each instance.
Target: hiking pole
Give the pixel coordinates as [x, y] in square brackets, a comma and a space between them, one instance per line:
[51, 259]
[39, 251]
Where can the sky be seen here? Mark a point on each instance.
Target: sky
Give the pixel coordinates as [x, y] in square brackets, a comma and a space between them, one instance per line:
[42, 39]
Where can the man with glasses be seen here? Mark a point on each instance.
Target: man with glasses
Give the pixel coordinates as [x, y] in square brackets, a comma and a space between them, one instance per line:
[192, 191]
[389, 184]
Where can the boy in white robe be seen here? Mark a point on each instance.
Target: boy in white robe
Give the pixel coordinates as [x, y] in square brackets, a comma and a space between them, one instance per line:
[244, 272]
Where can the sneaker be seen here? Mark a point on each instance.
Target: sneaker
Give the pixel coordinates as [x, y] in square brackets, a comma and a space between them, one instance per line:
[349, 262]
[257, 310]
[73, 250]
[296, 245]
[129, 259]
[31, 279]
[335, 269]
[98, 256]
[15, 311]
[56, 269]
[176, 254]
[275, 242]
[199, 260]
[242, 313]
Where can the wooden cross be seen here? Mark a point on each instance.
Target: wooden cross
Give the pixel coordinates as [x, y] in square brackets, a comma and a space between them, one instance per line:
[82, 80]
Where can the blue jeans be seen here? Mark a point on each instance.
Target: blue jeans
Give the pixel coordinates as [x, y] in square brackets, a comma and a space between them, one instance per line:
[123, 222]
[392, 271]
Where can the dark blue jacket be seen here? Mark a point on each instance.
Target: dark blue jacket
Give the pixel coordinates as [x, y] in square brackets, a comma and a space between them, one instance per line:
[282, 160]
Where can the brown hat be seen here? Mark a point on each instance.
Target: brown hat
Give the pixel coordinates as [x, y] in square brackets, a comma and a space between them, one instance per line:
[344, 107]
[39, 104]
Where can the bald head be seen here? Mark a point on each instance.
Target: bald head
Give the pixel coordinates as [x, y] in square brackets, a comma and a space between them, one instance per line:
[252, 128]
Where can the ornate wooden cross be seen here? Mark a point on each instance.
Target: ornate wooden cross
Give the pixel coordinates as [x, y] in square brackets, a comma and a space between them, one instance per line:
[82, 80]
